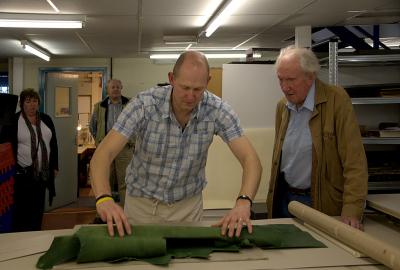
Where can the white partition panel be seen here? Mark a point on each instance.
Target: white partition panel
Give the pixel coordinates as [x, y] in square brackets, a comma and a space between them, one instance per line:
[253, 91]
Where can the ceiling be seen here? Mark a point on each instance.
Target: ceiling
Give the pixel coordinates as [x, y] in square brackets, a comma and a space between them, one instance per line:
[134, 28]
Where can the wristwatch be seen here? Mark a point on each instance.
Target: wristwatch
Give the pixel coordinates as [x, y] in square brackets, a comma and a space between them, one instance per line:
[245, 197]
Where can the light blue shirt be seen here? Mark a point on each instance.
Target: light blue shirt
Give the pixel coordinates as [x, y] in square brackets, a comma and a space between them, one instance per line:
[297, 146]
[168, 163]
[113, 111]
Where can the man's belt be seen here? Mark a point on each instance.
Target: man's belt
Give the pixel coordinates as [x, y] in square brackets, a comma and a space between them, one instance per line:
[299, 191]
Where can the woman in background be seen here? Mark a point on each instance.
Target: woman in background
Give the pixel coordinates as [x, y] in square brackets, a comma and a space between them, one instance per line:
[34, 141]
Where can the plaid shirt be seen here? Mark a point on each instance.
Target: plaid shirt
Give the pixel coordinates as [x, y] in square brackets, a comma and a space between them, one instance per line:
[169, 163]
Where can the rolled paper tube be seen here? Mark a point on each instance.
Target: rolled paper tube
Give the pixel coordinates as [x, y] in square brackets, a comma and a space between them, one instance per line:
[372, 247]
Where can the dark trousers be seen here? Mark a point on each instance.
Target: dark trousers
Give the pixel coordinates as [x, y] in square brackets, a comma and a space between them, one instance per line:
[284, 196]
[29, 198]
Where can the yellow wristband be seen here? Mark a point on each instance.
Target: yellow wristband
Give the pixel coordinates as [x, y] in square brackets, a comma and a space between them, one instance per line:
[104, 200]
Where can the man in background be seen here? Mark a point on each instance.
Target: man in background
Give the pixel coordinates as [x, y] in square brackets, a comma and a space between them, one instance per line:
[105, 114]
[318, 157]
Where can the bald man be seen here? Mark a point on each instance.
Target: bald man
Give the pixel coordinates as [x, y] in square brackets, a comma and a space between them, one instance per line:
[174, 126]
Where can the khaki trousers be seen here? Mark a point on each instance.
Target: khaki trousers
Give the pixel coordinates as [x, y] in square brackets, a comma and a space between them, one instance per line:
[118, 171]
[143, 210]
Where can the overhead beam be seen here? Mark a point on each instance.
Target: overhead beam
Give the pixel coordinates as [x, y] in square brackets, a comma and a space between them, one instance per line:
[345, 35]
[374, 37]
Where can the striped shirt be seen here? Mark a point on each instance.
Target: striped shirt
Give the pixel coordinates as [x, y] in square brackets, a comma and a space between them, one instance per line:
[168, 163]
[113, 111]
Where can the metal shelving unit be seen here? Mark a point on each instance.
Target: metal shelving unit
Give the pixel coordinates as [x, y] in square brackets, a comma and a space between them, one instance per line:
[381, 152]
[373, 140]
[376, 100]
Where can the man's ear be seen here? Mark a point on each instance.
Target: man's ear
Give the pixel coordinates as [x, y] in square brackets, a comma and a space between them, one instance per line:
[171, 78]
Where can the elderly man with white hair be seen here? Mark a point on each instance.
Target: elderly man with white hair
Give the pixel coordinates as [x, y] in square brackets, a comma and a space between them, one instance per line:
[318, 156]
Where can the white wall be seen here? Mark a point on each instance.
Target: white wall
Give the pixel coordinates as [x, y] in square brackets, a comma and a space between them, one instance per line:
[17, 75]
[253, 91]
[139, 74]
[136, 74]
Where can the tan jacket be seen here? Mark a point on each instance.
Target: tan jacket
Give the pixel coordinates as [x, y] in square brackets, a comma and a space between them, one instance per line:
[99, 119]
[339, 177]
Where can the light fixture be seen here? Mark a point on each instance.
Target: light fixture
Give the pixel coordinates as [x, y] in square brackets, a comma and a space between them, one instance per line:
[179, 40]
[33, 49]
[164, 56]
[39, 21]
[208, 55]
[53, 6]
[188, 47]
[227, 8]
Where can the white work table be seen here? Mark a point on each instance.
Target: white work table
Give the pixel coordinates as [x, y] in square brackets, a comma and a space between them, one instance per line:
[385, 203]
[255, 258]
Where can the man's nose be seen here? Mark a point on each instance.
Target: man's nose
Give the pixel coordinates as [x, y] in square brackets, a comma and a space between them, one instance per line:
[191, 93]
[284, 86]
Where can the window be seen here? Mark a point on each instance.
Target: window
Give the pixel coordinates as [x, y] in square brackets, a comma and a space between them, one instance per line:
[4, 82]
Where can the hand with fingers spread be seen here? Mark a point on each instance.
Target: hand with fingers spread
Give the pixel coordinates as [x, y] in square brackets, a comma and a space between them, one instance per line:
[233, 222]
[112, 213]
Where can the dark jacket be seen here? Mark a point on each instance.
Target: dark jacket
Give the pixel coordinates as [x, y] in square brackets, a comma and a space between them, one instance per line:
[10, 134]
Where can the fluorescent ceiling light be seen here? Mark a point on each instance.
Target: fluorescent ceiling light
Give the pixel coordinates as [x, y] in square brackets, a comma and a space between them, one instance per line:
[221, 15]
[40, 24]
[53, 6]
[164, 56]
[208, 55]
[188, 46]
[34, 50]
[39, 21]
[226, 55]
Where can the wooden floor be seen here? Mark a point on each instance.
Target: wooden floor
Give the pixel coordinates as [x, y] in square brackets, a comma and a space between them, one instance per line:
[83, 211]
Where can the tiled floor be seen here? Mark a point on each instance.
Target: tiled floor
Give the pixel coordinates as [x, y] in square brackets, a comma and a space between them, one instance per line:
[83, 211]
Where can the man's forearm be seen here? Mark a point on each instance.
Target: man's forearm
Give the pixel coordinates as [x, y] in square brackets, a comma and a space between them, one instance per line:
[99, 172]
[251, 177]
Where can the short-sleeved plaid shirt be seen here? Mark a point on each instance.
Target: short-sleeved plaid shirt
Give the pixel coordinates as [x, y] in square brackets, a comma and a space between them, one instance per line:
[169, 163]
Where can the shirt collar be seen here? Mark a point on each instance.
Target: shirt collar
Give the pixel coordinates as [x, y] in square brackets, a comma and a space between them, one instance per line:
[165, 108]
[308, 103]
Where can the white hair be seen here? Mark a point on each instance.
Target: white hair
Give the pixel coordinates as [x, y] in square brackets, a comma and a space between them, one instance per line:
[308, 60]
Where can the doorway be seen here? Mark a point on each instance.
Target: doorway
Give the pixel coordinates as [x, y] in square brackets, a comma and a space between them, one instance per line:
[68, 96]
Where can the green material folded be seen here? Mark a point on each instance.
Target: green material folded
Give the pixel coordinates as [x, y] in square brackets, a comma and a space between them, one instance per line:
[158, 244]
[62, 249]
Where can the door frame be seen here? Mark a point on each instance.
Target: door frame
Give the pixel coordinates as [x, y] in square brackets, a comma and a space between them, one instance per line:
[43, 75]
[44, 71]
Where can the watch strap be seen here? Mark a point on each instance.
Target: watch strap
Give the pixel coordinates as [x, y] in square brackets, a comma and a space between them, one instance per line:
[245, 197]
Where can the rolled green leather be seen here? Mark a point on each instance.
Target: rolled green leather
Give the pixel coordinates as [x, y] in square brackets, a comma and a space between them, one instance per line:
[158, 244]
